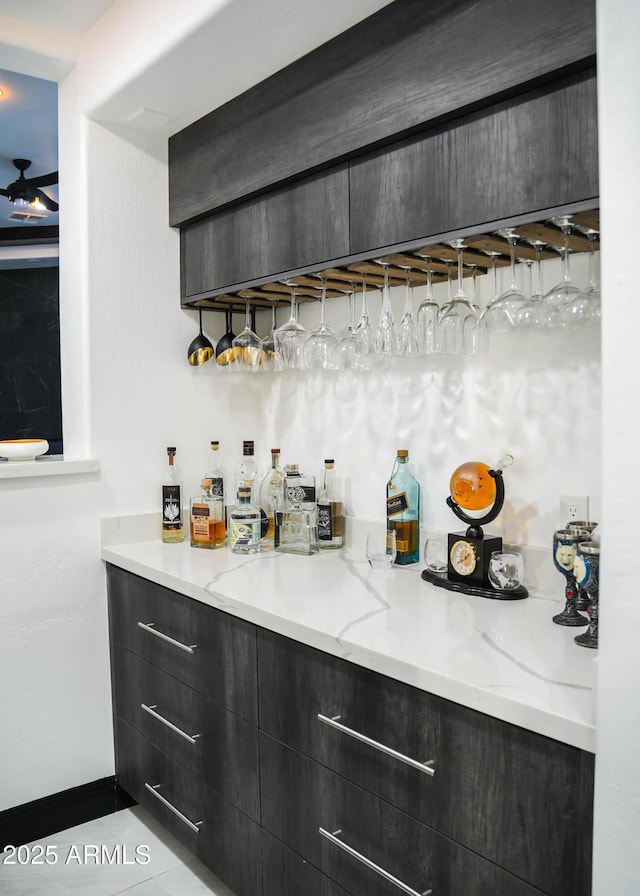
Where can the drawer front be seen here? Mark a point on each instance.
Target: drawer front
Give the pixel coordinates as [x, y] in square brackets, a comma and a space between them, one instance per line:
[517, 798]
[209, 650]
[212, 743]
[300, 797]
[225, 840]
[284, 873]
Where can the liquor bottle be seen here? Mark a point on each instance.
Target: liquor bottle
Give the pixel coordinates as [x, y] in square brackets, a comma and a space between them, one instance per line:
[172, 503]
[208, 528]
[296, 525]
[246, 473]
[330, 518]
[216, 473]
[244, 524]
[403, 510]
[272, 491]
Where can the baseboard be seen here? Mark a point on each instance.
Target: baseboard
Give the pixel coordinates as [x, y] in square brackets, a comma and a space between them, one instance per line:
[51, 814]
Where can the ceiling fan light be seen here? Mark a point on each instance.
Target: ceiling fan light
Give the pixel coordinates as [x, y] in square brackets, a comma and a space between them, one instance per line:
[37, 205]
[20, 202]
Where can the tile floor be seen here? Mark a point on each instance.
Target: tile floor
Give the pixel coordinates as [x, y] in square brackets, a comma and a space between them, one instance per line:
[170, 871]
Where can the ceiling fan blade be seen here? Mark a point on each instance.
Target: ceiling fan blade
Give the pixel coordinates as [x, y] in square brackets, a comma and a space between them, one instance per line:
[3, 192]
[48, 203]
[45, 180]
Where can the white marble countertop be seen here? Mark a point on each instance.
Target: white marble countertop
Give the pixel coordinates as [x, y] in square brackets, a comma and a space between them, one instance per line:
[504, 658]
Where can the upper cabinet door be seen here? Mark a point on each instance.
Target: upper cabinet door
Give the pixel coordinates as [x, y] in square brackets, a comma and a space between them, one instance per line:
[526, 154]
[301, 225]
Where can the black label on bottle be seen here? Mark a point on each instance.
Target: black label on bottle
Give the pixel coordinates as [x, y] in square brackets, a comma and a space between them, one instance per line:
[301, 494]
[325, 528]
[171, 507]
[217, 486]
[397, 504]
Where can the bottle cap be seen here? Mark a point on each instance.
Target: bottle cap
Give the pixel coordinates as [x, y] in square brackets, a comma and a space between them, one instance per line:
[402, 452]
[244, 491]
[215, 445]
[291, 469]
[329, 460]
[275, 451]
[171, 449]
[247, 448]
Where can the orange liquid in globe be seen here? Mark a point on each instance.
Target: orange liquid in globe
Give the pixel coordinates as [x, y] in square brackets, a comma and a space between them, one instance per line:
[471, 486]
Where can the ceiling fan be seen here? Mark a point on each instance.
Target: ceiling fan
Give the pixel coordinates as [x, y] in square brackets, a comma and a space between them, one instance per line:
[28, 189]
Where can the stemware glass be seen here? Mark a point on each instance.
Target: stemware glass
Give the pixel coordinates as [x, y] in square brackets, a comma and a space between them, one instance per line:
[593, 290]
[247, 344]
[291, 336]
[535, 313]
[570, 302]
[225, 352]
[587, 572]
[271, 360]
[460, 316]
[386, 341]
[365, 339]
[347, 336]
[407, 334]
[428, 313]
[322, 349]
[565, 545]
[500, 313]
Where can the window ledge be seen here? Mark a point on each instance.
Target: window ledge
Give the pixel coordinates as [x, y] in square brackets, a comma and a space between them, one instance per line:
[47, 466]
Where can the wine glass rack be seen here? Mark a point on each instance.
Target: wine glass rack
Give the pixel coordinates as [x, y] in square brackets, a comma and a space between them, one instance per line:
[482, 251]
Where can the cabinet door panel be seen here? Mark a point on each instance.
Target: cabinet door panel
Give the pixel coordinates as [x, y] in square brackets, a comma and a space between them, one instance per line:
[284, 873]
[222, 750]
[227, 841]
[517, 798]
[300, 225]
[529, 153]
[223, 664]
[299, 797]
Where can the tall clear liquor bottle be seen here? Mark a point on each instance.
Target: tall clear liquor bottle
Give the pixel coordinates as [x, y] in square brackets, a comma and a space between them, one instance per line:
[330, 517]
[403, 510]
[172, 531]
[216, 473]
[246, 473]
[244, 524]
[272, 492]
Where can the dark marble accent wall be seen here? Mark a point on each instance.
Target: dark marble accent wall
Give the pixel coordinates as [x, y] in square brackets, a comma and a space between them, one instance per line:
[30, 399]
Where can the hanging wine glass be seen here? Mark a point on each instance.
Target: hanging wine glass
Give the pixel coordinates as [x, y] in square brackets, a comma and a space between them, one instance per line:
[322, 349]
[365, 339]
[535, 313]
[247, 345]
[566, 297]
[291, 336]
[500, 313]
[593, 290]
[347, 336]
[386, 341]
[225, 352]
[407, 334]
[200, 349]
[272, 360]
[460, 316]
[428, 313]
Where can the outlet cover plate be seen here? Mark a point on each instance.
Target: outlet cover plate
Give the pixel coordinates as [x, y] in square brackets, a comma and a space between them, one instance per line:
[573, 507]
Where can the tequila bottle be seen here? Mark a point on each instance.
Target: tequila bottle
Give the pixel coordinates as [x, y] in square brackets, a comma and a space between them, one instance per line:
[403, 510]
[330, 517]
[272, 492]
[208, 528]
[244, 524]
[296, 525]
[172, 531]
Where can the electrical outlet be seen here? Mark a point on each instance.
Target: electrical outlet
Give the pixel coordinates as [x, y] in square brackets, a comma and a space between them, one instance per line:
[573, 507]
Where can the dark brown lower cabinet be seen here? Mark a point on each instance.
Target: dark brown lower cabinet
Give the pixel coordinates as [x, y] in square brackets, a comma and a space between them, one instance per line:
[301, 800]
[285, 873]
[224, 838]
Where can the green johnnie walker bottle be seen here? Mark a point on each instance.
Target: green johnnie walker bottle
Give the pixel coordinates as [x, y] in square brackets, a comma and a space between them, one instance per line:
[403, 510]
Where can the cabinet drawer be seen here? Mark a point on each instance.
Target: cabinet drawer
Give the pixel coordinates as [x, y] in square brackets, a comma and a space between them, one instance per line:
[300, 797]
[284, 873]
[225, 839]
[521, 800]
[212, 743]
[212, 652]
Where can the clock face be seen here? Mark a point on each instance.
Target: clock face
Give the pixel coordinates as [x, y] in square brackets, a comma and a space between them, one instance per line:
[464, 557]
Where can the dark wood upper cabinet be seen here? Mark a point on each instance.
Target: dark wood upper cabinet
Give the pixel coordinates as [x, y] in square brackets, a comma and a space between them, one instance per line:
[410, 64]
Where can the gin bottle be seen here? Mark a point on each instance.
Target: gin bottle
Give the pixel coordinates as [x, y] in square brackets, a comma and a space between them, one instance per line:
[172, 531]
[216, 473]
[244, 524]
[403, 510]
[330, 518]
[272, 491]
[296, 525]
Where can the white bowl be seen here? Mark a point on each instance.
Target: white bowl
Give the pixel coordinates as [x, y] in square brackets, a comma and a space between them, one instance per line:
[23, 449]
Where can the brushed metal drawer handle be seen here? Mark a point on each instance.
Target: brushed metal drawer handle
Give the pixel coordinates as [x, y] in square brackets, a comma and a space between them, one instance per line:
[426, 767]
[333, 838]
[165, 802]
[156, 715]
[149, 627]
